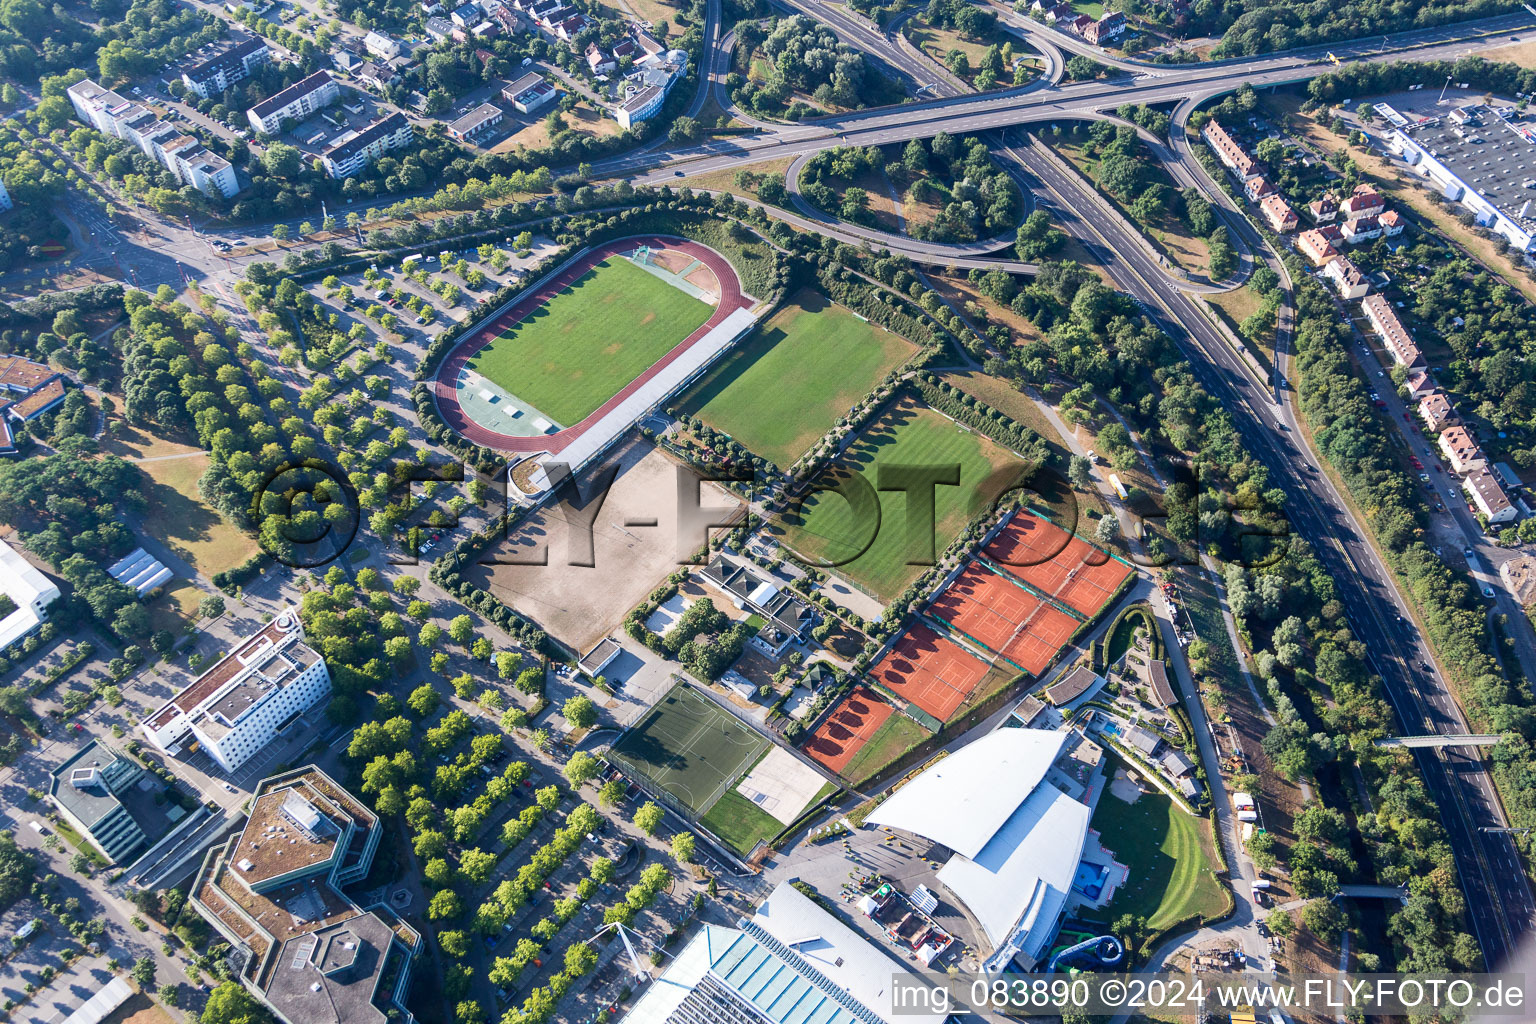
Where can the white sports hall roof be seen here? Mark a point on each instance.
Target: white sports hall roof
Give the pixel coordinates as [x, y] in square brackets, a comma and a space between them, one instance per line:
[1017, 839]
[963, 800]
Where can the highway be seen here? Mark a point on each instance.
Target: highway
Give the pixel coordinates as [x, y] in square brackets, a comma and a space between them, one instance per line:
[1500, 904]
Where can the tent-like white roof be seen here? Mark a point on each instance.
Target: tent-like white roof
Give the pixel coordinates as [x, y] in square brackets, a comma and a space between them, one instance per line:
[1017, 886]
[842, 955]
[1017, 838]
[962, 801]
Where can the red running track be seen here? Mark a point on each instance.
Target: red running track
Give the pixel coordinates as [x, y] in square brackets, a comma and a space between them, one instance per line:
[444, 384]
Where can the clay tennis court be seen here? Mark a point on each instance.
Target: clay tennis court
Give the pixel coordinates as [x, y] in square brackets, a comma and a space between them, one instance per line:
[985, 606]
[847, 728]
[1055, 562]
[1041, 639]
[1004, 617]
[929, 670]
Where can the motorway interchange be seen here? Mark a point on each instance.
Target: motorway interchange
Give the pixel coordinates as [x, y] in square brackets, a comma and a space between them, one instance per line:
[1500, 902]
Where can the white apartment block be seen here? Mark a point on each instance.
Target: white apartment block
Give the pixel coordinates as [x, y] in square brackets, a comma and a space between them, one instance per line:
[241, 704]
[211, 77]
[356, 150]
[185, 156]
[298, 101]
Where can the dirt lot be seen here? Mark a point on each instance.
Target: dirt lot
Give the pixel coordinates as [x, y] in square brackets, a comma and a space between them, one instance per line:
[634, 545]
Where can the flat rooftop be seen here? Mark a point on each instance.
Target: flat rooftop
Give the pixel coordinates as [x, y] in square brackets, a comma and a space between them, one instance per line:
[1497, 167]
[281, 630]
[328, 976]
[277, 840]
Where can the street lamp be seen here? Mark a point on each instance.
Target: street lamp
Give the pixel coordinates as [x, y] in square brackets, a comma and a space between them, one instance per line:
[1444, 87]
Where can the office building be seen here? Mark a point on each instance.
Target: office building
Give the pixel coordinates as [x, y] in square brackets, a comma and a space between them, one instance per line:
[274, 892]
[27, 597]
[244, 701]
[529, 93]
[113, 802]
[476, 123]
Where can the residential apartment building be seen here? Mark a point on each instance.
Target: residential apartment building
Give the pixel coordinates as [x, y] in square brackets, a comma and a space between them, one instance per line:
[1420, 383]
[1436, 411]
[1231, 155]
[1394, 337]
[309, 953]
[1278, 213]
[1258, 187]
[1461, 450]
[1324, 210]
[381, 46]
[211, 77]
[1317, 244]
[298, 101]
[1346, 278]
[182, 154]
[1109, 27]
[356, 150]
[242, 703]
[1488, 497]
[1363, 202]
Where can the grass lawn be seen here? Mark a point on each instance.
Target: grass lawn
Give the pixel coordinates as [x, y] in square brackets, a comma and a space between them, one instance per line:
[185, 523]
[1239, 304]
[895, 737]
[176, 607]
[1093, 10]
[786, 385]
[583, 119]
[1171, 877]
[740, 822]
[577, 350]
[878, 551]
[1125, 631]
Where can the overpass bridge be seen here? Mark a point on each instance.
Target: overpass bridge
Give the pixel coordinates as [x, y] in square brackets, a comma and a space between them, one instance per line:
[1449, 740]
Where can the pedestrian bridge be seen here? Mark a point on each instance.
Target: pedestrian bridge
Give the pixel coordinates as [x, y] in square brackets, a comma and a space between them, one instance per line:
[1450, 740]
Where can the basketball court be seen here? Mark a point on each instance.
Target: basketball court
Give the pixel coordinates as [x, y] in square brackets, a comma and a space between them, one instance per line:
[848, 728]
[930, 671]
[782, 785]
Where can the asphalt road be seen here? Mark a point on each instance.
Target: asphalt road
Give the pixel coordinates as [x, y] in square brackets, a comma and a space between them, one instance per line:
[1499, 900]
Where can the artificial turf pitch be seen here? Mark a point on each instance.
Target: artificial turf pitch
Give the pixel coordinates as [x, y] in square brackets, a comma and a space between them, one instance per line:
[691, 748]
[786, 385]
[580, 348]
[832, 529]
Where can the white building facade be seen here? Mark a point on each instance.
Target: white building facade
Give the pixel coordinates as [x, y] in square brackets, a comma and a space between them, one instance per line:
[184, 155]
[298, 101]
[241, 704]
[1450, 184]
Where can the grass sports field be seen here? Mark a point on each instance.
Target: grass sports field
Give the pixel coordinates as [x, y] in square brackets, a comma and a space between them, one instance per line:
[1171, 877]
[690, 747]
[832, 528]
[787, 384]
[898, 735]
[740, 822]
[581, 347]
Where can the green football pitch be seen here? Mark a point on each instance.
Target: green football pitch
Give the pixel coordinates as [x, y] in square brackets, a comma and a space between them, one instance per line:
[580, 348]
[875, 548]
[691, 747]
[787, 384]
